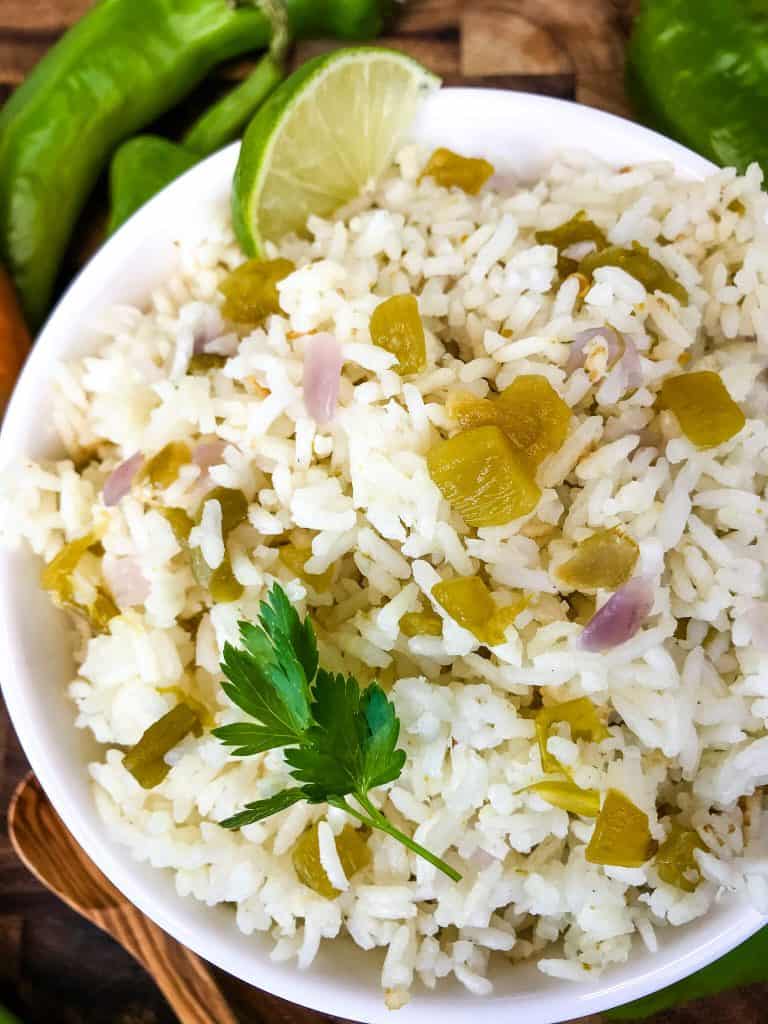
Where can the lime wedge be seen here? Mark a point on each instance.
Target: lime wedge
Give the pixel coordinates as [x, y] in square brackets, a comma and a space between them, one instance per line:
[323, 136]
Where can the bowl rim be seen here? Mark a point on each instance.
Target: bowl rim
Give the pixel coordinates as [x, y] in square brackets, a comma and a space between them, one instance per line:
[118, 865]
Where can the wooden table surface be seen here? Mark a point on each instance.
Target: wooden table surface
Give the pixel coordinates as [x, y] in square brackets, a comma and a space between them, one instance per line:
[54, 967]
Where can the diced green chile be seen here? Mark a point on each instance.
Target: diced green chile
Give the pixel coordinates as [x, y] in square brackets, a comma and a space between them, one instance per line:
[234, 507]
[202, 362]
[578, 229]
[146, 760]
[163, 468]
[56, 578]
[640, 264]
[224, 585]
[221, 581]
[181, 523]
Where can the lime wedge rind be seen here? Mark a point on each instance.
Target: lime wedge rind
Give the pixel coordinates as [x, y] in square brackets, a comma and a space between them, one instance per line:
[324, 135]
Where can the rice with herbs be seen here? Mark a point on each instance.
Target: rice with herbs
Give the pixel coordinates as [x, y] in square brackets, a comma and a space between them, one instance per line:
[685, 700]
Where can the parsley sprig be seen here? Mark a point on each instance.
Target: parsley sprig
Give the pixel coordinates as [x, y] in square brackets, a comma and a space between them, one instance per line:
[339, 740]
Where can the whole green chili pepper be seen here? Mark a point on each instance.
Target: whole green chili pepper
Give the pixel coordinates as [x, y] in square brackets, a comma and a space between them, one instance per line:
[698, 72]
[224, 121]
[145, 164]
[742, 966]
[140, 168]
[117, 69]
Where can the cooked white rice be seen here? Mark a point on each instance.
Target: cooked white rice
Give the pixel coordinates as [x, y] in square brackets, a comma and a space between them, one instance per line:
[687, 702]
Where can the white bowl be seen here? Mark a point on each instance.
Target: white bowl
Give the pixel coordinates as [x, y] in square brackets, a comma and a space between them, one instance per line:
[518, 132]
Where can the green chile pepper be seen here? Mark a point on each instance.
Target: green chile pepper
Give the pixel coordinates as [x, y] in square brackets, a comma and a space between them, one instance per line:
[117, 69]
[698, 72]
[146, 759]
[227, 118]
[145, 164]
[637, 262]
[142, 167]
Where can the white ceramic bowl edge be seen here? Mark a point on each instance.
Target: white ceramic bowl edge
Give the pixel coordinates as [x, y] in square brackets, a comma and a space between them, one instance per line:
[520, 133]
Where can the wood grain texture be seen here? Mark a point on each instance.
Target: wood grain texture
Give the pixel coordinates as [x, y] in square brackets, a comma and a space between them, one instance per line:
[37, 17]
[45, 846]
[568, 48]
[430, 17]
[512, 44]
[56, 967]
[20, 53]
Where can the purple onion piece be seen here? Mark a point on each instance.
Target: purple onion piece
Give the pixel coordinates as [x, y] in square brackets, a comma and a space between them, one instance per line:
[620, 617]
[119, 481]
[322, 374]
[577, 357]
[125, 579]
[207, 330]
[205, 455]
[221, 345]
[632, 365]
[199, 343]
[208, 453]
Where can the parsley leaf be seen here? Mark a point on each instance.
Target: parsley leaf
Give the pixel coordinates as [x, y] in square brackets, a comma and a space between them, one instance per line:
[269, 678]
[281, 622]
[252, 687]
[382, 761]
[260, 809]
[330, 762]
[251, 738]
[340, 741]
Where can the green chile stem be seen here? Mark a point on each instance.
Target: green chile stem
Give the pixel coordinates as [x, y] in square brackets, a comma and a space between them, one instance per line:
[224, 121]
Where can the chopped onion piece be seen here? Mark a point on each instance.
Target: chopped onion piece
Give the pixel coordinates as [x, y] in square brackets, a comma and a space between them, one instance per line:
[205, 455]
[221, 345]
[125, 580]
[200, 341]
[208, 453]
[208, 328]
[322, 372]
[632, 365]
[119, 481]
[577, 354]
[620, 617]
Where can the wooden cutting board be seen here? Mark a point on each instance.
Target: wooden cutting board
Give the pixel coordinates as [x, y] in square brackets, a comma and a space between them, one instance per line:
[571, 48]
[54, 967]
